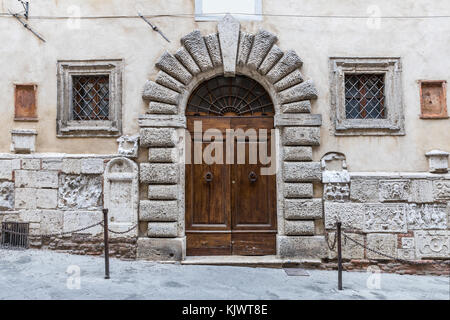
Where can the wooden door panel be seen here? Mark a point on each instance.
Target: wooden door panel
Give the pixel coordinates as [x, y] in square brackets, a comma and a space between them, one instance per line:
[253, 243]
[208, 244]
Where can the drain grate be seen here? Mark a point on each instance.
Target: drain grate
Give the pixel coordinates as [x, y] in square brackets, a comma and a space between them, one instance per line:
[296, 272]
[14, 235]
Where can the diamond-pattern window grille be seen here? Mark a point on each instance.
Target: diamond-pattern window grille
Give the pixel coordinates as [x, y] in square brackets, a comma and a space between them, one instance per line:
[90, 97]
[364, 96]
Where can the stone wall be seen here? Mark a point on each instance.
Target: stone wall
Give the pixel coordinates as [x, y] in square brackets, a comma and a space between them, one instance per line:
[57, 193]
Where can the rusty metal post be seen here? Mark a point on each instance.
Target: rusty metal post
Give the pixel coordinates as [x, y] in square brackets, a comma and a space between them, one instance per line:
[105, 233]
[339, 249]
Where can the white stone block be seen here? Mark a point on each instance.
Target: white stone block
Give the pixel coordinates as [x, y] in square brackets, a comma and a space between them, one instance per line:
[383, 243]
[92, 166]
[23, 140]
[71, 166]
[31, 164]
[6, 195]
[25, 198]
[6, 169]
[47, 198]
[438, 161]
[74, 220]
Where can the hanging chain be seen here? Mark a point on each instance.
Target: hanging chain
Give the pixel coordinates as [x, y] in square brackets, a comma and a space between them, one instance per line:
[121, 232]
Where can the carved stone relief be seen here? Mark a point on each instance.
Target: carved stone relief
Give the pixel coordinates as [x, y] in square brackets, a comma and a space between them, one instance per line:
[442, 189]
[385, 218]
[394, 190]
[426, 216]
[432, 244]
[80, 192]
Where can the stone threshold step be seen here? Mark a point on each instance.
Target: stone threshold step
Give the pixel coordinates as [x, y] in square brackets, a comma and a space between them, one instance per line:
[270, 261]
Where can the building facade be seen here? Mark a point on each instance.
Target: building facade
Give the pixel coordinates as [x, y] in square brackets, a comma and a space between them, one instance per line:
[103, 112]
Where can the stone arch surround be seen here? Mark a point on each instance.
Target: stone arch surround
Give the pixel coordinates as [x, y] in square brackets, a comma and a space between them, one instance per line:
[228, 52]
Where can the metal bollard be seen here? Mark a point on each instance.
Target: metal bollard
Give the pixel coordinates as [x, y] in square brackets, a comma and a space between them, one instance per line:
[105, 233]
[339, 249]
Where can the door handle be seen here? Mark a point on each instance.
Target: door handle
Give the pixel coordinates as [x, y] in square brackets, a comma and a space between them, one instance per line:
[252, 177]
[208, 176]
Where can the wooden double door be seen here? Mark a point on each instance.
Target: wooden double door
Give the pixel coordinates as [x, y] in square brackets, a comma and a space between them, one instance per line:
[230, 207]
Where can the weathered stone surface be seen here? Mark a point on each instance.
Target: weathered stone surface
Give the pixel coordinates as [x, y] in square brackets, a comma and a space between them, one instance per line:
[432, 244]
[196, 46]
[71, 166]
[156, 92]
[302, 91]
[364, 190]
[162, 121]
[166, 80]
[6, 195]
[170, 65]
[46, 198]
[298, 120]
[245, 45]
[162, 192]
[23, 140]
[406, 254]
[421, 191]
[441, 189]
[288, 63]
[74, 220]
[160, 249]
[426, 216]
[162, 229]
[302, 171]
[438, 161]
[16, 164]
[163, 155]
[303, 247]
[383, 217]
[92, 166]
[299, 228]
[31, 164]
[351, 215]
[159, 173]
[158, 210]
[188, 62]
[6, 169]
[158, 137]
[51, 221]
[52, 164]
[350, 250]
[25, 179]
[80, 192]
[301, 136]
[394, 190]
[25, 198]
[36, 179]
[293, 78]
[298, 190]
[384, 243]
[228, 29]
[212, 44]
[271, 59]
[297, 153]
[128, 146]
[298, 209]
[262, 43]
[408, 243]
[162, 108]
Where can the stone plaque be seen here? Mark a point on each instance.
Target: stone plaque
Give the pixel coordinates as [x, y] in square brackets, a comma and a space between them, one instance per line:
[442, 189]
[382, 217]
[394, 190]
[426, 216]
[432, 244]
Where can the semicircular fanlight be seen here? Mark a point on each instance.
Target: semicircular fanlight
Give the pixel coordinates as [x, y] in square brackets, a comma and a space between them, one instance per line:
[234, 96]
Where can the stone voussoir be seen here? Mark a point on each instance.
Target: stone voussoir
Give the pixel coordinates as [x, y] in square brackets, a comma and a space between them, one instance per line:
[297, 107]
[187, 61]
[169, 64]
[212, 43]
[245, 45]
[288, 63]
[196, 46]
[293, 78]
[162, 108]
[302, 91]
[271, 59]
[157, 92]
[168, 81]
[262, 43]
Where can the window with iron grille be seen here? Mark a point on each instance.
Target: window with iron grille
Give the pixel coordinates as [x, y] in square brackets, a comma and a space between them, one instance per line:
[364, 96]
[89, 98]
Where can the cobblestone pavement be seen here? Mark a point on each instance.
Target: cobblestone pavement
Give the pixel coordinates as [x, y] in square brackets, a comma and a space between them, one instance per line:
[39, 274]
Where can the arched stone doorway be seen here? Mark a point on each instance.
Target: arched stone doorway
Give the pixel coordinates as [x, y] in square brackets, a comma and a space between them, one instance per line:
[230, 192]
[229, 53]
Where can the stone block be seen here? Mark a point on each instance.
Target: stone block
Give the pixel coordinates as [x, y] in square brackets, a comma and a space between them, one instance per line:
[383, 243]
[71, 166]
[297, 107]
[188, 62]
[51, 221]
[271, 59]
[302, 171]
[6, 195]
[408, 243]
[406, 254]
[299, 227]
[161, 249]
[228, 29]
[438, 161]
[162, 229]
[292, 79]
[441, 190]
[298, 190]
[168, 81]
[245, 45]
[46, 179]
[6, 169]
[394, 190]
[80, 192]
[384, 217]
[52, 164]
[158, 137]
[46, 198]
[426, 216]
[298, 209]
[364, 190]
[302, 247]
[74, 220]
[159, 173]
[421, 191]
[92, 166]
[297, 153]
[25, 179]
[25, 198]
[156, 92]
[262, 43]
[158, 210]
[23, 140]
[351, 215]
[128, 146]
[298, 120]
[31, 164]
[16, 164]
[302, 91]
[163, 192]
[162, 108]
[301, 136]
[432, 244]
[163, 155]
[350, 250]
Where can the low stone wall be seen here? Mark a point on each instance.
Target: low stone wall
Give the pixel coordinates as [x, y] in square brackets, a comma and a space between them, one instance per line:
[402, 215]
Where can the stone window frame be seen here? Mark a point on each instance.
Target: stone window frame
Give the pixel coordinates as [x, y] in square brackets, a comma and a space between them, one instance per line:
[392, 70]
[217, 17]
[89, 128]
